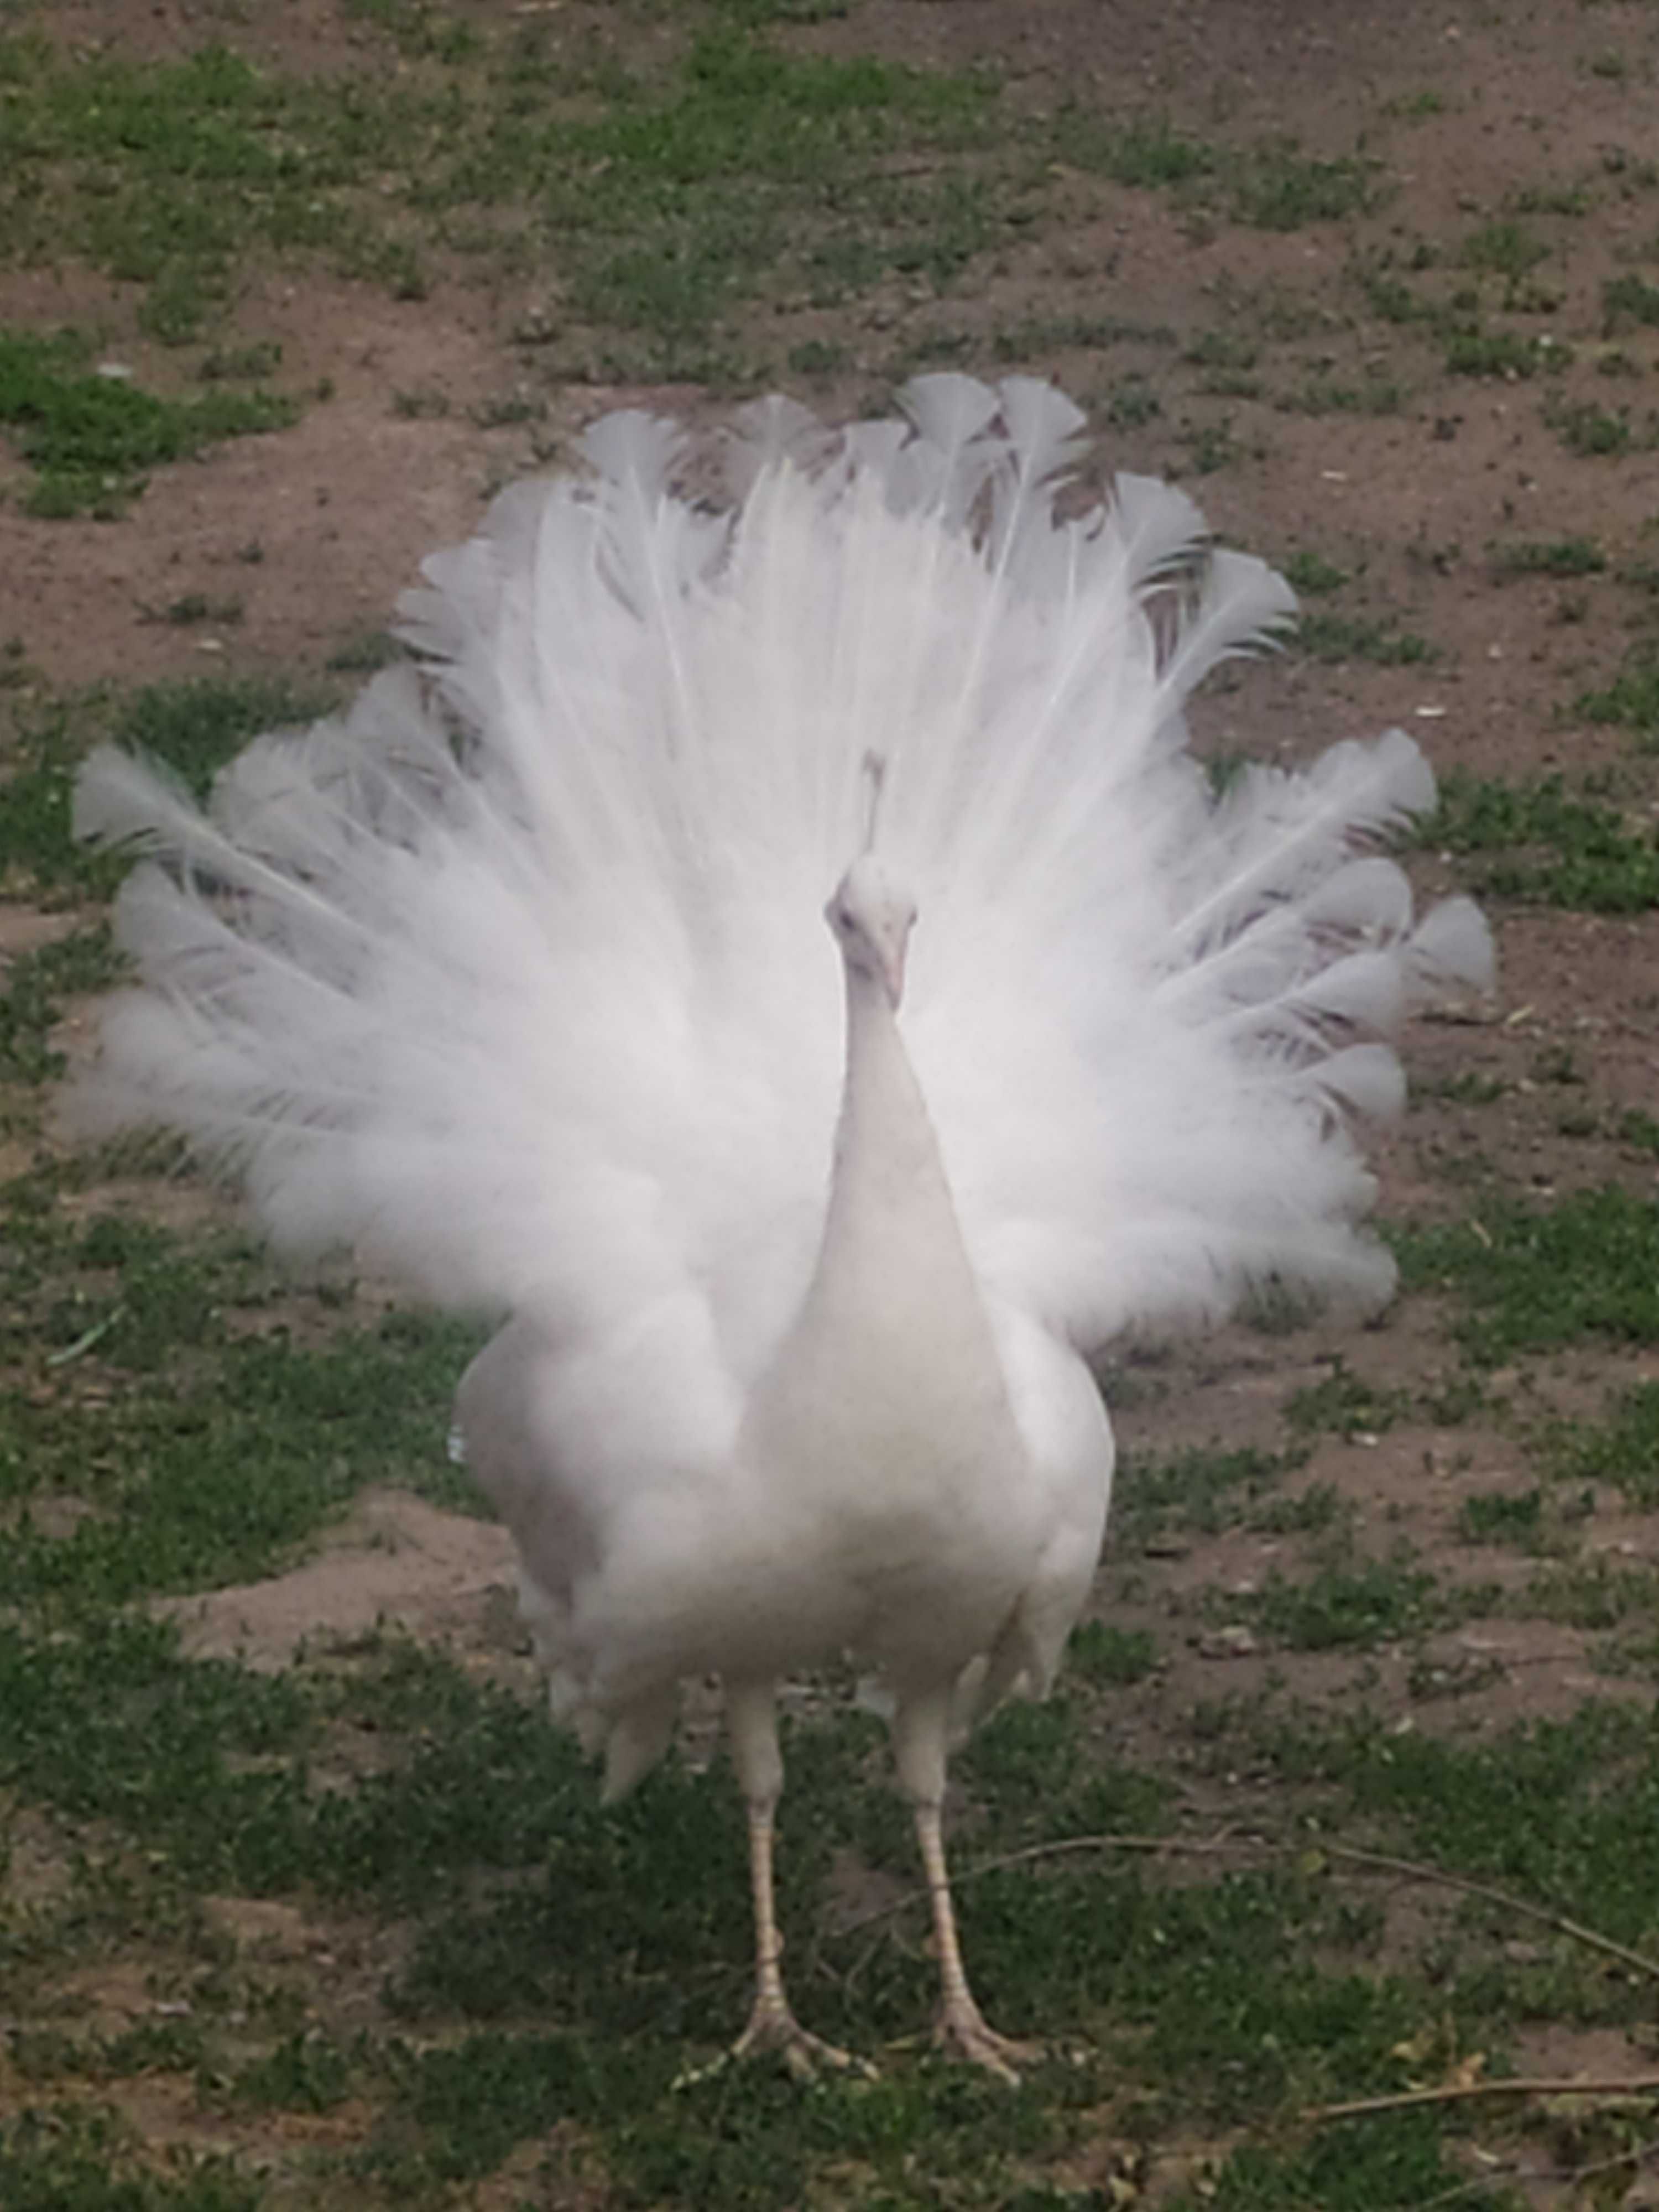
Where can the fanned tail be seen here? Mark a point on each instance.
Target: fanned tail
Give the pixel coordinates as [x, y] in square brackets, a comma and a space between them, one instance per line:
[517, 971]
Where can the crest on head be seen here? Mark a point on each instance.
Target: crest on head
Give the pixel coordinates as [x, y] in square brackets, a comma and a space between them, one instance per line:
[871, 912]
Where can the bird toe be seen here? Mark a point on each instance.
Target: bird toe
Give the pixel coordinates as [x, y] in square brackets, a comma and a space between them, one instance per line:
[806, 2056]
[964, 2034]
[773, 2031]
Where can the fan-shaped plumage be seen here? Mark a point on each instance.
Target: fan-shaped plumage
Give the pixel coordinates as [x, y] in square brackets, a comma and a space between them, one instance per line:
[517, 975]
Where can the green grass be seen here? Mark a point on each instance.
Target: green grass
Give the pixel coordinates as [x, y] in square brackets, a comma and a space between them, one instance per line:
[194, 725]
[1131, 404]
[687, 196]
[1345, 1403]
[1621, 1450]
[169, 175]
[1530, 1278]
[1467, 1087]
[1631, 702]
[1626, 299]
[1564, 1812]
[73, 2158]
[674, 196]
[1508, 354]
[1211, 446]
[1311, 574]
[1549, 556]
[1599, 1595]
[1203, 1491]
[1325, 635]
[1503, 1516]
[1329, 395]
[674, 187]
[33, 988]
[1505, 248]
[1356, 2168]
[90, 439]
[199, 1446]
[1148, 153]
[1347, 1604]
[1532, 841]
[1280, 187]
[1588, 429]
[1101, 1654]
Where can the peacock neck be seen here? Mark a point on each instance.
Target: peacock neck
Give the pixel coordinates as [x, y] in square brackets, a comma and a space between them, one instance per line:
[890, 1234]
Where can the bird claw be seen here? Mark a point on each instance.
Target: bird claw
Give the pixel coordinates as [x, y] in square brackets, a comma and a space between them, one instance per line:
[774, 2029]
[962, 2033]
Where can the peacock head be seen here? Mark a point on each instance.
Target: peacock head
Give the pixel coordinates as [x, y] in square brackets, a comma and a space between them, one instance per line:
[873, 915]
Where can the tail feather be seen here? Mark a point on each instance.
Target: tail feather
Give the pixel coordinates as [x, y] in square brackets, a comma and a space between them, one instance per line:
[518, 972]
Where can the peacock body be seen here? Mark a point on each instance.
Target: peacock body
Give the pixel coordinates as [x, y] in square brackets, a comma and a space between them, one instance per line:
[517, 976]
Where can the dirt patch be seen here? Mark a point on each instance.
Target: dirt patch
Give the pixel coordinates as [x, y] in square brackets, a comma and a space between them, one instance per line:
[396, 1563]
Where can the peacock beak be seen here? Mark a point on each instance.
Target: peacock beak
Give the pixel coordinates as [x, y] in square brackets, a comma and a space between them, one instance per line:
[892, 948]
[892, 969]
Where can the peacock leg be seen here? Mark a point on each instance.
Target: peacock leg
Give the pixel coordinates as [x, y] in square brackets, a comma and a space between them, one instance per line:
[920, 1725]
[752, 1718]
[961, 2031]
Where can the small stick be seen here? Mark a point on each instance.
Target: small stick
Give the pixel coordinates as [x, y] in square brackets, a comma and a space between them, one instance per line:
[1223, 1845]
[1635, 2085]
[84, 1342]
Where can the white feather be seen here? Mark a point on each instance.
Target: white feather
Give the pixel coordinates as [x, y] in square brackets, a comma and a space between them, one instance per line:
[594, 909]
[517, 976]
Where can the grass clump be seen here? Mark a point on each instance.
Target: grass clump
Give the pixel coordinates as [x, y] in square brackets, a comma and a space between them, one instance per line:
[1275, 185]
[1599, 1594]
[196, 1446]
[1311, 574]
[1205, 1491]
[1146, 153]
[1551, 556]
[1395, 2161]
[752, 163]
[90, 438]
[195, 726]
[168, 174]
[1631, 702]
[35, 985]
[206, 1765]
[1508, 354]
[1589, 430]
[71, 2158]
[1626, 299]
[1531, 1278]
[1102, 1655]
[1468, 1086]
[1345, 1403]
[1503, 249]
[735, 167]
[1503, 1516]
[1328, 636]
[1537, 842]
[1325, 395]
[1346, 1606]
[1621, 1450]
[1564, 1812]
[1278, 186]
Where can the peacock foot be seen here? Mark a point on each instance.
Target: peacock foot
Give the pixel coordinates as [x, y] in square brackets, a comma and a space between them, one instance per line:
[961, 2032]
[773, 2028]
